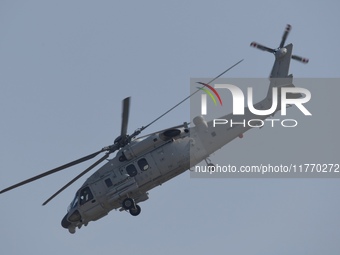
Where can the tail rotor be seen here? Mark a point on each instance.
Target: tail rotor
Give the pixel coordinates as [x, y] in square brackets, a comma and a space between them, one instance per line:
[280, 51]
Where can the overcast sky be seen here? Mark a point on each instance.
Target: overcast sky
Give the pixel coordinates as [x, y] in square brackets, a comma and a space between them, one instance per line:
[65, 67]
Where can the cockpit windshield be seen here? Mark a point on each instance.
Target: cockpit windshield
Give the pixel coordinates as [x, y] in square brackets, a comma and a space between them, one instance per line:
[73, 203]
[83, 196]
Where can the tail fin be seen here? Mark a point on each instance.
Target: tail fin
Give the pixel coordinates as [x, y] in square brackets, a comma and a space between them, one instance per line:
[282, 83]
[279, 75]
[282, 61]
[279, 83]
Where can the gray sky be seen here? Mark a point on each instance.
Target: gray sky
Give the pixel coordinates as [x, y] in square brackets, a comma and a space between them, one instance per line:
[65, 66]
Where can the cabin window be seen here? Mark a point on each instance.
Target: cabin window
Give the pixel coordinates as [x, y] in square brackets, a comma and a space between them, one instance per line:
[131, 170]
[108, 182]
[85, 195]
[143, 164]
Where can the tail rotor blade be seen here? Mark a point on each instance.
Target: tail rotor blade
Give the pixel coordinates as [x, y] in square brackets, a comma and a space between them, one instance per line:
[125, 116]
[301, 59]
[261, 47]
[285, 34]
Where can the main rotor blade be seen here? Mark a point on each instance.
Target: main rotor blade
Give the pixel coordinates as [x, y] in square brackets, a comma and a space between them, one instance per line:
[125, 116]
[301, 59]
[218, 76]
[53, 170]
[261, 47]
[285, 34]
[77, 177]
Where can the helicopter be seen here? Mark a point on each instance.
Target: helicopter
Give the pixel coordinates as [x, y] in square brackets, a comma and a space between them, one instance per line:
[142, 163]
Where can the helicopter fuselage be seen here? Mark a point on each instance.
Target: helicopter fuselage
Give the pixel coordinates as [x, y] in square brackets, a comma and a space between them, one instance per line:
[140, 164]
[146, 163]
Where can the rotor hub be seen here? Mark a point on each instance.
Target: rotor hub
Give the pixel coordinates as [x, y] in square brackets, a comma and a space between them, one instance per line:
[279, 53]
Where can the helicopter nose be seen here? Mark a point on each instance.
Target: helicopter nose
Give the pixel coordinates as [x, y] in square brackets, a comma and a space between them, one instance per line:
[69, 219]
[65, 223]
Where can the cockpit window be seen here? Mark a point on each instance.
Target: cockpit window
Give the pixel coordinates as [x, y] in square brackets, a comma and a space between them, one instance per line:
[85, 195]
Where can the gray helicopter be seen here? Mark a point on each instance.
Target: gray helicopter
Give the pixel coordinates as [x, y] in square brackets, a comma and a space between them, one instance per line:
[142, 163]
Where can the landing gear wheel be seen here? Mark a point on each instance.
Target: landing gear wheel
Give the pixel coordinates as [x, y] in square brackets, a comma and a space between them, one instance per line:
[128, 203]
[135, 211]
